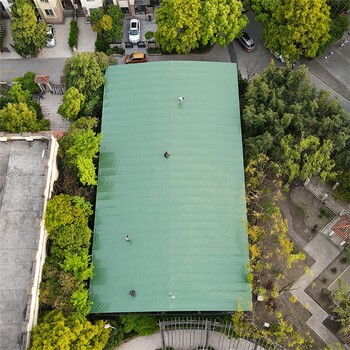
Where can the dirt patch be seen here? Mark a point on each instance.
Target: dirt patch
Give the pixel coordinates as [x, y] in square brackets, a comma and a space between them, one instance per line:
[309, 214]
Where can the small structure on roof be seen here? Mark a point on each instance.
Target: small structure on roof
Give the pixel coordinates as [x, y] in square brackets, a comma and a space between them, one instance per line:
[186, 215]
[342, 228]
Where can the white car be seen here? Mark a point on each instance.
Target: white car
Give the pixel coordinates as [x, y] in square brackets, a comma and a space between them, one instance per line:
[50, 35]
[135, 31]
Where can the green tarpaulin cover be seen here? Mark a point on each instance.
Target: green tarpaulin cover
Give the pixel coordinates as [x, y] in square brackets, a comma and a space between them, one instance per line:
[185, 215]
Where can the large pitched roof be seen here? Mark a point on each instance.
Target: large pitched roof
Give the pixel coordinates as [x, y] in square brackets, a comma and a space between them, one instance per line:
[185, 215]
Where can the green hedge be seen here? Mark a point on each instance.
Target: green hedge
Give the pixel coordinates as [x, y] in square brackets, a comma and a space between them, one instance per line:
[73, 34]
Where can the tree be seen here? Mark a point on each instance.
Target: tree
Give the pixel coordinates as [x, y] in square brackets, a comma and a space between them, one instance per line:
[18, 117]
[79, 264]
[108, 24]
[57, 287]
[63, 210]
[222, 20]
[306, 158]
[298, 28]
[27, 82]
[179, 25]
[72, 103]
[55, 331]
[296, 126]
[341, 298]
[80, 147]
[83, 72]
[28, 35]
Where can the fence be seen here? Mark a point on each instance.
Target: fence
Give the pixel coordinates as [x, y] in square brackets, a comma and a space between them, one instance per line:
[193, 334]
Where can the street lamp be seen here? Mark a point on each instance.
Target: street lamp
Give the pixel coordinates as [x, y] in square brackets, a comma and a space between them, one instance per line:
[107, 325]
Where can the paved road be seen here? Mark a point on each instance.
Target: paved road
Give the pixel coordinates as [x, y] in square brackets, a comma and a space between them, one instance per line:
[10, 69]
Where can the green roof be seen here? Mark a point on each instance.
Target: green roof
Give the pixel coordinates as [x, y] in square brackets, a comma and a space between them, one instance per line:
[186, 214]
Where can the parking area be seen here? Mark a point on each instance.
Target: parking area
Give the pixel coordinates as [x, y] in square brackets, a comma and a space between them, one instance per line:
[145, 27]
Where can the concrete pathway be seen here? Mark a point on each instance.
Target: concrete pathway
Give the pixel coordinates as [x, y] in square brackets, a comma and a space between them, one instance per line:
[182, 341]
[323, 253]
[49, 105]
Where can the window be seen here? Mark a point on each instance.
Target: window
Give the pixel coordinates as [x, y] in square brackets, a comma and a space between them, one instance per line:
[44, 0]
[49, 13]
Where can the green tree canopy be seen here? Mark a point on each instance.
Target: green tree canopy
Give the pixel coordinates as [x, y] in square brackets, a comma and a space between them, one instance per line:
[84, 72]
[222, 20]
[27, 82]
[283, 104]
[28, 35]
[54, 331]
[72, 103]
[298, 28]
[108, 24]
[64, 210]
[184, 25]
[80, 147]
[18, 117]
[179, 25]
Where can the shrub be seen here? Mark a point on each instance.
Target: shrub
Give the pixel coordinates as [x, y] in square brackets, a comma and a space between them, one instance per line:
[73, 34]
[101, 45]
[149, 35]
[334, 270]
[140, 324]
[153, 51]
[118, 50]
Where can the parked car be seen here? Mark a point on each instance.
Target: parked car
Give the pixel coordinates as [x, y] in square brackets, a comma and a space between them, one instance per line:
[246, 42]
[278, 56]
[136, 57]
[50, 35]
[135, 31]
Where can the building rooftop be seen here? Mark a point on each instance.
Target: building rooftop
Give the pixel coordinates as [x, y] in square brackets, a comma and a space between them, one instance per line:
[23, 177]
[185, 215]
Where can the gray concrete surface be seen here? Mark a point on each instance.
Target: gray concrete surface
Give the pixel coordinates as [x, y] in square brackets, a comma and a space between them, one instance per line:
[22, 181]
[323, 253]
[216, 340]
[49, 105]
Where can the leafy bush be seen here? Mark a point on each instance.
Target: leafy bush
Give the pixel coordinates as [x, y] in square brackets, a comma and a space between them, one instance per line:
[73, 34]
[101, 44]
[153, 51]
[140, 324]
[149, 35]
[27, 82]
[118, 50]
[58, 331]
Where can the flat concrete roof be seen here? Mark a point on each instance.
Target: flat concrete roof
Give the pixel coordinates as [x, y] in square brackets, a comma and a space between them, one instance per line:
[186, 215]
[22, 183]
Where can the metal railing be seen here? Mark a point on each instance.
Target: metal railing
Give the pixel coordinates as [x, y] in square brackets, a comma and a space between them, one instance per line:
[192, 334]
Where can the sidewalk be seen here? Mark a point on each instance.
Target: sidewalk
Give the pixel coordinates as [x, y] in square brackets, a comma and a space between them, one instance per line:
[323, 253]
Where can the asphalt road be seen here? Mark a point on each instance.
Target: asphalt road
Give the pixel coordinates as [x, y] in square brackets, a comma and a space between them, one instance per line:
[12, 68]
